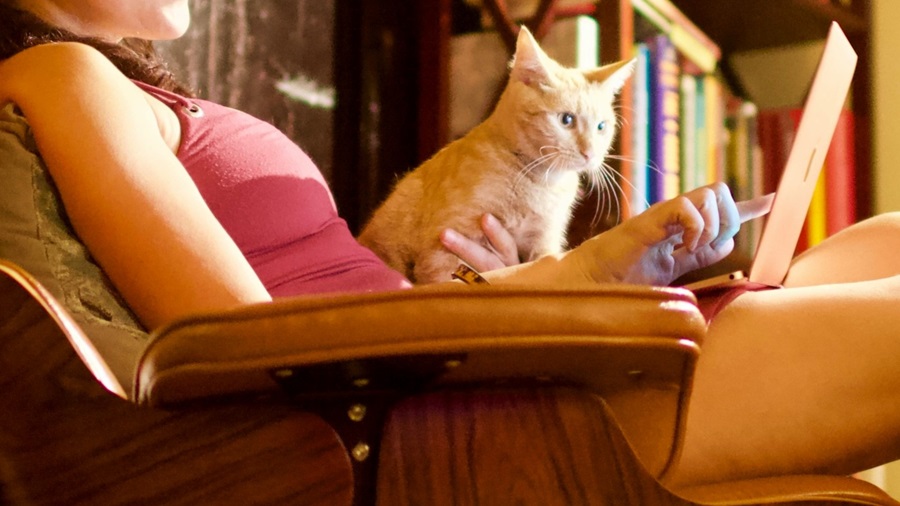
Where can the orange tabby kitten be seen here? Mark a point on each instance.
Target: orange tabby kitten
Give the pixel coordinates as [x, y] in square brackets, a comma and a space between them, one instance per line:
[522, 164]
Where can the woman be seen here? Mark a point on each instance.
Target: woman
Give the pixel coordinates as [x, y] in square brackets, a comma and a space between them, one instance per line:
[783, 383]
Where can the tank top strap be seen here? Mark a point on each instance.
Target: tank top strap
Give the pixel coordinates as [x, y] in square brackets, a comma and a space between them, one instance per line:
[173, 100]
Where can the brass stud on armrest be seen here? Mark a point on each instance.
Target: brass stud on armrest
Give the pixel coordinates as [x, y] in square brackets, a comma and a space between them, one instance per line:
[357, 412]
[360, 452]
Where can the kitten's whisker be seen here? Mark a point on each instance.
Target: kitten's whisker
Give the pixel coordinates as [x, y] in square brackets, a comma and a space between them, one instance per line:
[534, 164]
[553, 166]
[606, 182]
[596, 186]
[650, 164]
[623, 107]
[601, 196]
[548, 168]
[602, 183]
[616, 189]
[622, 179]
[543, 148]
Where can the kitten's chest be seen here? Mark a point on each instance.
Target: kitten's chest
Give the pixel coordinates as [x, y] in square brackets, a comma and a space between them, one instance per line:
[538, 217]
[547, 198]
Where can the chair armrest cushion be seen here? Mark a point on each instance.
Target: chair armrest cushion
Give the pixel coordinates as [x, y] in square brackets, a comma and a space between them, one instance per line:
[243, 350]
[635, 346]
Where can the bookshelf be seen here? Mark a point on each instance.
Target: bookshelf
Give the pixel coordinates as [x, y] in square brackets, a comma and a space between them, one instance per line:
[395, 59]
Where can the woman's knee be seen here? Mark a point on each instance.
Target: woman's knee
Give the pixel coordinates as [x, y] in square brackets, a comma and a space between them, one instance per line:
[866, 250]
[885, 223]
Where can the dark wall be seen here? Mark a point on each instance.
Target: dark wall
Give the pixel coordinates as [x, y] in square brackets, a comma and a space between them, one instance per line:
[377, 81]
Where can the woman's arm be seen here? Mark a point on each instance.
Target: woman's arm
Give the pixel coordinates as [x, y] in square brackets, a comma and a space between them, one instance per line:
[656, 247]
[128, 197]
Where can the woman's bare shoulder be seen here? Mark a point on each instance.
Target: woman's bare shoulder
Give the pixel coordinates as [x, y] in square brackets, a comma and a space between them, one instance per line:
[48, 69]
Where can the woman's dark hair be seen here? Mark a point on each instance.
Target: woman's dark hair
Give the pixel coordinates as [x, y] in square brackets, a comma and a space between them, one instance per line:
[136, 58]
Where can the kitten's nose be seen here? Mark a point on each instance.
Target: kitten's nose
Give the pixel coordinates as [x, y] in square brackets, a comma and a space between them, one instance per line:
[588, 154]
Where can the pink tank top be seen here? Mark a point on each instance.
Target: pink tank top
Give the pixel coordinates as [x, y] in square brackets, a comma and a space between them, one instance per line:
[273, 201]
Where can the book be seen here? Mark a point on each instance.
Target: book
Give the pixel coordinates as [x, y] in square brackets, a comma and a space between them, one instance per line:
[776, 128]
[738, 174]
[840, 175]
[664, 140]
[816, 230]
[636, 188]
[701, 135]
[692, 42]
[834, 201]
[716, 137]
[688, 133]
[745, 170]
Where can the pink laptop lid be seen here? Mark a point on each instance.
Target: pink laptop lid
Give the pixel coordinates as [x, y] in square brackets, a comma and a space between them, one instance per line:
[798, 181]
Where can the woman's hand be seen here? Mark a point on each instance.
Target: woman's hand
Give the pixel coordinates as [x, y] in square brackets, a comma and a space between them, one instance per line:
[655, 247]
[669, 239]
[500, 252]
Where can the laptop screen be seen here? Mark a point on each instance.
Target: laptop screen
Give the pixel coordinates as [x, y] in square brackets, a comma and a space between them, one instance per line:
[821, 111]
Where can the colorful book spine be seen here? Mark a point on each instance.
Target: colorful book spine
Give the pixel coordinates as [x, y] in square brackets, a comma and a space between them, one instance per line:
[744, 167]
[701, 135]
[816, 230]
[775, 135]
[833, 206]
[665, 149]
[840, 175]
[738, 170]
[684, 35]
[637, 188]
[716, 136]
[688, 133]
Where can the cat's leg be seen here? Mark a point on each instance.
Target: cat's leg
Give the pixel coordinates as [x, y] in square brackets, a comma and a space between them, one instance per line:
[804, 379]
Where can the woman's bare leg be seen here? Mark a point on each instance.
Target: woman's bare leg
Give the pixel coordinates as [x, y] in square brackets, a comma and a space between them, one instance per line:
[868, 250]
[805, 379]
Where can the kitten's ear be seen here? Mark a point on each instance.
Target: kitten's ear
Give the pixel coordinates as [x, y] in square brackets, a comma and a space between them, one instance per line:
[530, 64]
[614, 74]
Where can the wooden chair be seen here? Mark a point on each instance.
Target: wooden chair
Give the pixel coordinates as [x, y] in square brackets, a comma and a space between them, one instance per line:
[454, 396]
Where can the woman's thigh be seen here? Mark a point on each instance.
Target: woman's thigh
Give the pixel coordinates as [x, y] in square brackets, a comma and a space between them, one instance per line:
[799, 380]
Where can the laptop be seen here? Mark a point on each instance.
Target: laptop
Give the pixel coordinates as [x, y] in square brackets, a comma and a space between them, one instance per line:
[804, 163]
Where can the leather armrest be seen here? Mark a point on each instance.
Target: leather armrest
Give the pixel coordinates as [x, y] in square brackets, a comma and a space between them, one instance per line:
[635, 346]
[486, 333]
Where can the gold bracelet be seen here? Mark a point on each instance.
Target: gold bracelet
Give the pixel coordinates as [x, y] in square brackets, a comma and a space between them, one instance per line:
[469, 275]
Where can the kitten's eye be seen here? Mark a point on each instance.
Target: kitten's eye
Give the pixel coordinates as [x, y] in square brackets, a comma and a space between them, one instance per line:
[601, 126]
[567, 119]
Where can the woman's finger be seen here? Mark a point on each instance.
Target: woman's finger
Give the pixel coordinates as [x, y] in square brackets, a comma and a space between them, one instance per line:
[668, 220]
[702, 257]
[503, 243]
[469, 251]
[707, 202]
[728, 218]
[756, 207]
